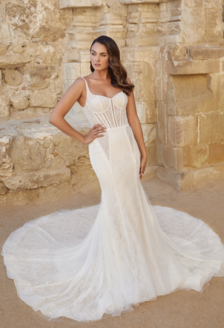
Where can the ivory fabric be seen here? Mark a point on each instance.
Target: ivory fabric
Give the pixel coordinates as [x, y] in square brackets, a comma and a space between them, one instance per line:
[89, 261]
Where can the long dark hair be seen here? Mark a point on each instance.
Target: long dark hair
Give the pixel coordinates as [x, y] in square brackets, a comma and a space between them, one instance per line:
[117, 72]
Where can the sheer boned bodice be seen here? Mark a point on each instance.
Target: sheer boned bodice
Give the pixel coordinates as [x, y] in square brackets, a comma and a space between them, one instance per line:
[110, 112]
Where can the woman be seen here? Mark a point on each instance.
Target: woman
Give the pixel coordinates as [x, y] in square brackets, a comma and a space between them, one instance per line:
[105, 258]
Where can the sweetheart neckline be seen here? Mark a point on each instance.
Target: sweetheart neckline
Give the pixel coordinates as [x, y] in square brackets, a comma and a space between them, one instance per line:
[105, 96]
[101, 95]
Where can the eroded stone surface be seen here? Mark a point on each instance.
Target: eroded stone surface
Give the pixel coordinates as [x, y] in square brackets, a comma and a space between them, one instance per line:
[13, 77]
[182, 131]
[37, 179]
[4, 107]
[43, 98]
[186, 93]
[216, 153]
[35, 155]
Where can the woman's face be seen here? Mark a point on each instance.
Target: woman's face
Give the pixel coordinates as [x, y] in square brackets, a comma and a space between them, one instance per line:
[99, 56]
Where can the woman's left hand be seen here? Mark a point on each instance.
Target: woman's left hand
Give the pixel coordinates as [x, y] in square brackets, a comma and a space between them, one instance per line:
[142, 165]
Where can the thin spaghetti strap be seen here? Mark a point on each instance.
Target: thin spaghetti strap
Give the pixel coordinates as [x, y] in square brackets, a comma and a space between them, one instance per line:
[87, 88]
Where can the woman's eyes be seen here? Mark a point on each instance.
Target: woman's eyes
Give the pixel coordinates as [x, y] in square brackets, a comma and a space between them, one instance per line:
[101, 55]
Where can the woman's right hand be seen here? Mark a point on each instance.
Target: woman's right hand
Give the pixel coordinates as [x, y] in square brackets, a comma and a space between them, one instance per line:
[95, 132]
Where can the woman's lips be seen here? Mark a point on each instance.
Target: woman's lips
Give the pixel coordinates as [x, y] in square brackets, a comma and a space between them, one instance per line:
[97, 64]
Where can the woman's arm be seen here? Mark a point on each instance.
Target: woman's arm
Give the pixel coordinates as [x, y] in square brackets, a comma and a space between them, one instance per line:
[73, 93]
[137, 129]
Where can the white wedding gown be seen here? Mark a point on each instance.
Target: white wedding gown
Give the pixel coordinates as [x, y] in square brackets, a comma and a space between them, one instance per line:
[105, 258]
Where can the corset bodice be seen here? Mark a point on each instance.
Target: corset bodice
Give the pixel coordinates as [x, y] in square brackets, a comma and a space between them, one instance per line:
[110, 112]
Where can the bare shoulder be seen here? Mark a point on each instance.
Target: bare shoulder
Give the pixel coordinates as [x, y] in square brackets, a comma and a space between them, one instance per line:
[77, 88]
[79, 81]
[79, 84]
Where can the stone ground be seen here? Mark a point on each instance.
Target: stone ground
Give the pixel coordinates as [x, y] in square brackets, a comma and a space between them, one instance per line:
[182, 309]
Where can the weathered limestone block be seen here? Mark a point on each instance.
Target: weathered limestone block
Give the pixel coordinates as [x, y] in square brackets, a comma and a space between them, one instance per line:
[6, 164]
[130, 2]
[189, 180]
[38, 195]
[35, 49]
[43, 98]
[145, 85]
[218, 85]
[176, 52]
[205, 52]
[195, 156]
[38, 129]
[56, 60]
[151, 154]
[151, 15]
[71, 71]
[29, 113]
[114, 17]
[152, 40]
[186, 93]
[149, 133]
[170, 30]
[4, 107]
[211, 128]
[13, 77]
[27, 154]
[142, 24]
[147, 29]
[216, 153]
[78, 3]
[6, 32]
[192, 22]
[47, 59]
[170, 11]
[133, 20]
[73, 55]
[181, 131]
[159, 80]
[19, 48]
[19, 101]
[12, 61]
[216, 102]
[174, 157]
[3, 188]
[37, 82]
[143, 77]
[160, 154]
[198, 178]
[161, 122]
[37, 179]
[40, 77]
[182, 158]
[2, 12]
[3, 48]
[202, 4]
[185, 67]
[146, 112]
[213, 24]
[71, 150]
[140, 56]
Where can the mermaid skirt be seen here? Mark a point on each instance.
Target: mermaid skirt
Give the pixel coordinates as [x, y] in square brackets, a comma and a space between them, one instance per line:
[105, 258]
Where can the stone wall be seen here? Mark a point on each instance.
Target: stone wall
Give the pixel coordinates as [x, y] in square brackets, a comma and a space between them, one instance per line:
[173, 52]
[190, 102]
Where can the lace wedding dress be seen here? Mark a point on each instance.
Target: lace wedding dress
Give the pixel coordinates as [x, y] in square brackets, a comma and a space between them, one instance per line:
[105, 258]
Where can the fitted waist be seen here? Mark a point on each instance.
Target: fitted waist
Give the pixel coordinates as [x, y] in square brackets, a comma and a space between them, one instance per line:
[118, 127]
